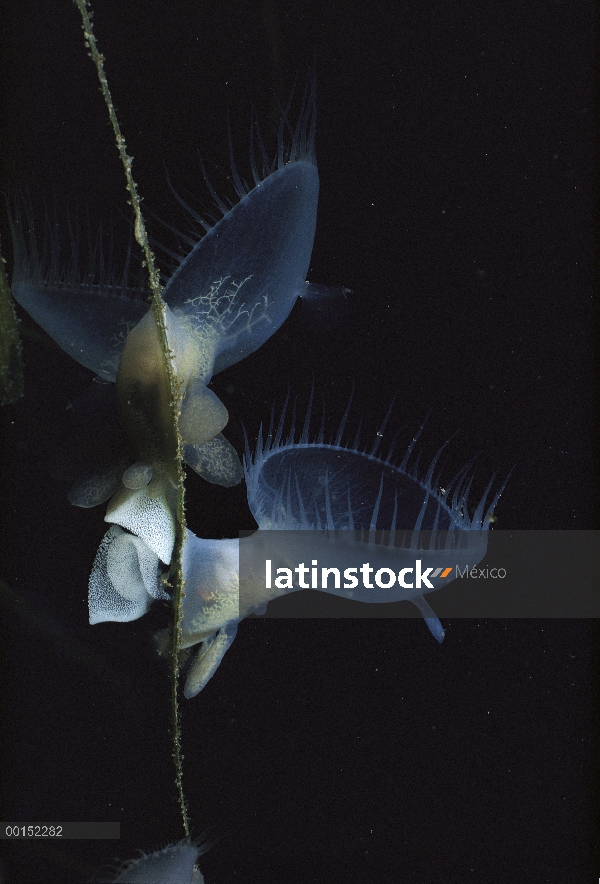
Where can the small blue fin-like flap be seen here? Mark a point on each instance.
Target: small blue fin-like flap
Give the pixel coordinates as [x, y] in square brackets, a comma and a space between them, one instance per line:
[216, 461]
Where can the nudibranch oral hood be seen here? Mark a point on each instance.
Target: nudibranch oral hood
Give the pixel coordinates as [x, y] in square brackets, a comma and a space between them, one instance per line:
[229, 293]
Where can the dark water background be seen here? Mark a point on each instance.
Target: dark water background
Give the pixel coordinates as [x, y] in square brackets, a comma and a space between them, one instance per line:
[455, 154]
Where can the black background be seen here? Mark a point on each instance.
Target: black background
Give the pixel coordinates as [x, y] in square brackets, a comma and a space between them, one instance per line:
[454, 144]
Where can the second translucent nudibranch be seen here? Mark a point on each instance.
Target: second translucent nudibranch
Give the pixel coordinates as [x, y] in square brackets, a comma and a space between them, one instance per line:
[380, 530]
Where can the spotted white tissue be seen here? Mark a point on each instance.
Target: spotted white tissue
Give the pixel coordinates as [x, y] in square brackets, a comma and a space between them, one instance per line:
[124, 579]
[147, 514]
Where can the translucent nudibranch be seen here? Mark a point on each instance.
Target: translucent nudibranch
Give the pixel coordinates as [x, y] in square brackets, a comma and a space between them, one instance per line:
[336, 498]
[228, 295]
